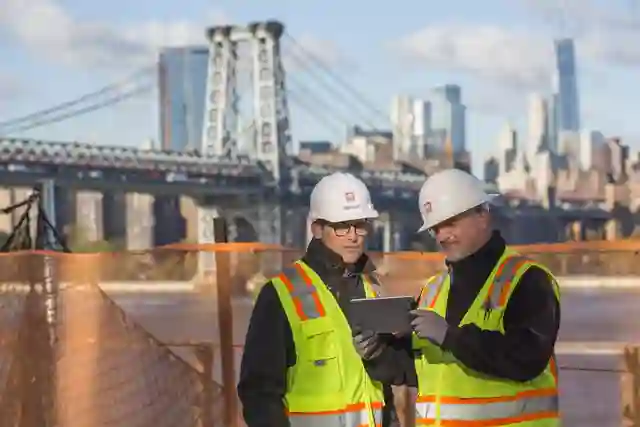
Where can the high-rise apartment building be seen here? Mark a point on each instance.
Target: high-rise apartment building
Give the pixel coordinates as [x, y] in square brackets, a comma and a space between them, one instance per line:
[182, 79]
[448, 119]
[411, 122]
[591, 143]
[538, 118]
[568, 106]
[402, 125]
[507, 149]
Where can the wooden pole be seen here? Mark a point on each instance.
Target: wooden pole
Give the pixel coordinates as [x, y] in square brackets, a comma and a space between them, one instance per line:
[630, 388]
[225, 324]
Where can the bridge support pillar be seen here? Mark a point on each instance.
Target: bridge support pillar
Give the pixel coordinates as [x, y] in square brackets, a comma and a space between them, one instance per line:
[271, 230]
[394, 232]
[270, 227]
[114, 216]
[207, 260]
[170, 225]
[58, 204]
[140, 221]
[89, 223]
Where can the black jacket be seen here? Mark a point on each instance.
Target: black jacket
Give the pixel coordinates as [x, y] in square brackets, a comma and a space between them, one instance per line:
[269, 348]
[531, 319]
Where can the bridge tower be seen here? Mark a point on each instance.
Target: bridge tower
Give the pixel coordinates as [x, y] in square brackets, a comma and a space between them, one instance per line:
[272, 143]
[271, 140]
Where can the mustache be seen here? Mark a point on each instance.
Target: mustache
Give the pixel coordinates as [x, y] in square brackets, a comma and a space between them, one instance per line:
[447, 240]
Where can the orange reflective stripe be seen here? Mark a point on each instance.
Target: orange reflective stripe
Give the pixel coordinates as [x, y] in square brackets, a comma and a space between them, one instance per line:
[544, 392]
[503, 280]
[353, 407]
[491, 411]
[553, 367]
[488, 423]
[314, 292]
[433, 289]
[303, 293]
[296, 301]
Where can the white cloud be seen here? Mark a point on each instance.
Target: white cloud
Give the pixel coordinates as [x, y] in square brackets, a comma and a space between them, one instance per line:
[507, 57]
[605, 35]
[525, 60]
[46, 28]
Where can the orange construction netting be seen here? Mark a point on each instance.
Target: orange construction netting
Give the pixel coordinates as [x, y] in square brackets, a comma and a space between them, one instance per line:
[128, 338]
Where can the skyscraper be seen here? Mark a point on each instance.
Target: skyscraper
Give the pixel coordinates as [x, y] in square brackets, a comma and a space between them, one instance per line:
[538, 127]
[182, 79]
[568, 107]
[448, 118]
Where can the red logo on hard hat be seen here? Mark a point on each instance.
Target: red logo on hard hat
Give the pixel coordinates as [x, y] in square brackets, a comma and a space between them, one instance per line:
[427, 207]
[350, 197]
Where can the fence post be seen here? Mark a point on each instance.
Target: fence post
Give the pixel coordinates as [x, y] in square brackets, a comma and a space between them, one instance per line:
[225, 324]
[630, 388]
[204, 353]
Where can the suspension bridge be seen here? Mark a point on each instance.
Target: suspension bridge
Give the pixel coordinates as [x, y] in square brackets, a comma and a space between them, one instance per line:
[251, 172]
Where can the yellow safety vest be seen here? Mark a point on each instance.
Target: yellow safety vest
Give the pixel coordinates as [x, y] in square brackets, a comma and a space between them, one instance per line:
[328, 386]
[451, 394]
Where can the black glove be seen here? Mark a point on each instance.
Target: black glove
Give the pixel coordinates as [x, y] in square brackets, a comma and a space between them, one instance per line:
[368, 344]
[429, 325]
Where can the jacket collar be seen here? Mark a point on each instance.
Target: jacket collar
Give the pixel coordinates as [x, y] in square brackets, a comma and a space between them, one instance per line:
[322, 259]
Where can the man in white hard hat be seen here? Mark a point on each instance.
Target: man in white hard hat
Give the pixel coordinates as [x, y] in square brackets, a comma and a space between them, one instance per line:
[485, 330]
[301, 364]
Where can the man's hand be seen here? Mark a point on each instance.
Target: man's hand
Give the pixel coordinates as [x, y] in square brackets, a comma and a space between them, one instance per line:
[429, 325]
[368, 344]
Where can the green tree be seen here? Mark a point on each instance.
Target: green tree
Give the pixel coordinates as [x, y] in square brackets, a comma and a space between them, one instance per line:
[78, 242]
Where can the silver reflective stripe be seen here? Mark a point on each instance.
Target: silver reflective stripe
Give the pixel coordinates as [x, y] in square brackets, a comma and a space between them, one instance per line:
[504, 277]
[303, 292]
[433, 289]
[488, 411]
[343, 419]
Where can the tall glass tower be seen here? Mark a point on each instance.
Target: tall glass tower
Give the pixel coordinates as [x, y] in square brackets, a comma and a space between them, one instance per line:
[182, 79]
[448, 117]
[567, 106]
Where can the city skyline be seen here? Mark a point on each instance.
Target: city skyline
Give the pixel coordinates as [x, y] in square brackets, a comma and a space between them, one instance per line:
[401, 59]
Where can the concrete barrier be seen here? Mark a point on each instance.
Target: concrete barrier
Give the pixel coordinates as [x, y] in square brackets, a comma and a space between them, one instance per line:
[591, 348]
[599, 282]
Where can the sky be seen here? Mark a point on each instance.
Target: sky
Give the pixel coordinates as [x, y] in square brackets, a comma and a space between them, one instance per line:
[499, 51]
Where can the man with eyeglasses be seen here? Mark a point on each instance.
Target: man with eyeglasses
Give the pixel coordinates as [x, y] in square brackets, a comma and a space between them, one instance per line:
[303, 365]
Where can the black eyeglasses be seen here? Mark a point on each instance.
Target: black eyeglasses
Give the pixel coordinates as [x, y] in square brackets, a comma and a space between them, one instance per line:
[341, 229]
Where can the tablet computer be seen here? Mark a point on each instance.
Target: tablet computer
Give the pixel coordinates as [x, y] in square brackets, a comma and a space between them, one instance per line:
[384, 315]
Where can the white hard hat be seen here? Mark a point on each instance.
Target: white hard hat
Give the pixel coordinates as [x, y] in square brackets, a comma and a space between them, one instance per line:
[341, 197]
[448, 193]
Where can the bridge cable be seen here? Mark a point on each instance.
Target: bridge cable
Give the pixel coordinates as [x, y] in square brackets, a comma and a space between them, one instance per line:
[114, 87]
[312, 112]
[337, 92]
[364, 101]
[327, 110]
[88, 109]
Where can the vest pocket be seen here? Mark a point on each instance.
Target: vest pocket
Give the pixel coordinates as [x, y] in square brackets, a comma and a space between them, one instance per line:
[318, 366]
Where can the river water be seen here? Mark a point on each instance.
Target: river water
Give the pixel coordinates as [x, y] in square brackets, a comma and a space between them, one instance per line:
[590, 380]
